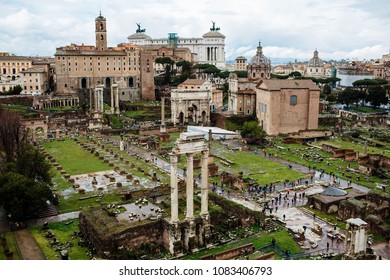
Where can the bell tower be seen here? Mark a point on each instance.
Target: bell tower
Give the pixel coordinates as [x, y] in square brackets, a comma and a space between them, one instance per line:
[101, 33]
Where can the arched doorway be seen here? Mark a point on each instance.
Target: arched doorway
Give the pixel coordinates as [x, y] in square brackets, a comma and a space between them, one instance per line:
[39, 133]
[131, 82]
[83, 83]
[108, 83]
[193, 113]
[181, 118]
[204, 118]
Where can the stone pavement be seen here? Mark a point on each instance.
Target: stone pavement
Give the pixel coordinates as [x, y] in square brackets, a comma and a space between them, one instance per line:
[27, 245]
[382, 249]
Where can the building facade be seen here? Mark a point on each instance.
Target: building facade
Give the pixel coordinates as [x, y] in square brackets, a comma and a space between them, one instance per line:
[35, 81]
[81, 68]
[315, 67]
[241, 63]
[33, 74]
[242, 91]
[286, 106]
[191, 102]
[210, 48]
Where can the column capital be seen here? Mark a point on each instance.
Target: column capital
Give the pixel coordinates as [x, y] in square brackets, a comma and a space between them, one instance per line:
[174, 158]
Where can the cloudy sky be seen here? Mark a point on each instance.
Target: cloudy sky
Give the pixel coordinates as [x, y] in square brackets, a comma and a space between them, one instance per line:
[287, 28]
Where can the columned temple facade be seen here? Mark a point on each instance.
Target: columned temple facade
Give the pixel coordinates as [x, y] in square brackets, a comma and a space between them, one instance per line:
[210, 48]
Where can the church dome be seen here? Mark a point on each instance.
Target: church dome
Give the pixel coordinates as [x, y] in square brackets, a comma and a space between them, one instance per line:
[315, 61]
[260, 59]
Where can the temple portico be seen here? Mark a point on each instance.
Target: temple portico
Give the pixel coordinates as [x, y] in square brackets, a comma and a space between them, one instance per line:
[183, 234]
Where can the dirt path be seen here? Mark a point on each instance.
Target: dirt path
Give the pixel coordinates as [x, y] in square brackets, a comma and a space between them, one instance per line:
[28, 247]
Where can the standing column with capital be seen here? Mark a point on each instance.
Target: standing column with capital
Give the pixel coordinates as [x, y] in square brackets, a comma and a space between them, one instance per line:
[101, 100]
[163, 127]
[190, 186]
[112, 100]
[95, 100]
[116, 90]
[174, 190]
[204, 184]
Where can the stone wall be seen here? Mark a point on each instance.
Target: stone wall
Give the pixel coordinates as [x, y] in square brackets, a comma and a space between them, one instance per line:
[369, 160]
[106, 234]
[244, 216]
[218, 120]
[374, 209]
[230, 254]
[312, 133]
[17, 99]
[231, 180]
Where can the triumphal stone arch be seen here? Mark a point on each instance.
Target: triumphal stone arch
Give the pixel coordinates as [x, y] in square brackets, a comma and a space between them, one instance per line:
[193, 230]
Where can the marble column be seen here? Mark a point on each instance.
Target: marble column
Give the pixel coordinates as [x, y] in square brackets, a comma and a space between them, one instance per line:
[101, 100]
[163, 127]
[204, 184]
[174, 190]
[190, 186]
[112, 100]
[90, 99]
[116, 96]
[95, 100]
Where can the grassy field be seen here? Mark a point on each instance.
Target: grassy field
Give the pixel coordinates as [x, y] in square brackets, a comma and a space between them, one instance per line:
[283, 240]
[12, 247]
[362, 109]
[64, 232]
[264, 171]
[73, 158]
[355, 146]
[73, 203]
[294, 152]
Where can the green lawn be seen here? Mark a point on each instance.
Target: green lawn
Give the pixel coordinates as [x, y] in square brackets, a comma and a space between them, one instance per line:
[264, 171]
[73, 158]
[73, 203]
[283, 240]
[293, 152]
[363, 109]
[64, 233]
[355, 146]
[11, 245]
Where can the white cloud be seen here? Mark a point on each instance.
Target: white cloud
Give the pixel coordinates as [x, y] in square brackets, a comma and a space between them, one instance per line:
[286, 28]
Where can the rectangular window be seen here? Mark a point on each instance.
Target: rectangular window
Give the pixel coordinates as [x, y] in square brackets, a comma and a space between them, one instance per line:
[293, 100]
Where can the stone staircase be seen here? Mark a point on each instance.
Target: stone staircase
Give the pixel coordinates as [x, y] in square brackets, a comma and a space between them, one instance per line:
[51, 210]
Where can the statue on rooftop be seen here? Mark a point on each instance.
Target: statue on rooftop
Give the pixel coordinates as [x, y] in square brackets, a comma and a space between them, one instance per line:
[139, 30]
[214, 28]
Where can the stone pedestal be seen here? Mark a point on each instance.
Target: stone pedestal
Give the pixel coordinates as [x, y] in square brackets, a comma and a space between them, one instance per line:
[175, 244]
[164, 137]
